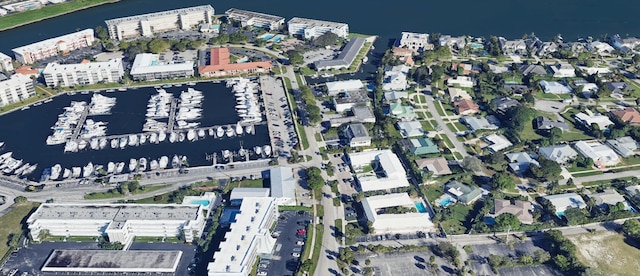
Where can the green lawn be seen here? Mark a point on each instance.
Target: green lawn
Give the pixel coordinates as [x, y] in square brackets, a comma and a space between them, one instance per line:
[426, 125]
[14, 20]
[432, 192]
[11, 223]
[447, 141]
[113, 193]
[247, 183]
[461, 126]
[458, 155]
[439, 108]
[40, 95]
[457, 216]
[582, 174]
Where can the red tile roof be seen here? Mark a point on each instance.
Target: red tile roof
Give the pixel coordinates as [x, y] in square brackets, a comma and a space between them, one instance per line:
[220, 61]
[628, 115]
[464, 106]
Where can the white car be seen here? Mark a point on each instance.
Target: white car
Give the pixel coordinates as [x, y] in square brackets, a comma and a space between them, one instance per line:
[296, 255]
[299, 243]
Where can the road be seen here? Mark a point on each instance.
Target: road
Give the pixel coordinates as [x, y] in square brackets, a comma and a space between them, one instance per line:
[605, 176]
[459, 147]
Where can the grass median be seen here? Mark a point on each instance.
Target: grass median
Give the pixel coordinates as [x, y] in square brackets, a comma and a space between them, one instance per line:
[11, 224]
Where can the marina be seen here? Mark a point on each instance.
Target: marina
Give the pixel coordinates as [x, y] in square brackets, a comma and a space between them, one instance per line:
[97, 134]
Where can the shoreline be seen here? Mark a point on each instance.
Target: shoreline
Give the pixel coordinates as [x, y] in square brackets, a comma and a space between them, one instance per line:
[56, 15]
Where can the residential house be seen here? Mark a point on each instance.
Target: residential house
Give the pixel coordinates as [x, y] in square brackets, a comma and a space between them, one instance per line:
[357, 114]
[415, 41]
[600, 48]
[609, 197]
[461, 81]
[618, 87]
[336, 87]
[519, 162]
[502, 104]
[511, 47]
[498, 69]
[533, 69]
[521, 209]
[554, 87]
[466, 107]
[456, 94]
[588, 119]
[385, 170]
[547, 49]
[420, 146]
[403, 54]
[374, 208]
[600, 71]
[437, 165]
[558, 153]
[345, 59]
[402, 112]
[456, 43]
[395, 96]
[562, 202]
[633, 191]
[624, 146]
[588, 90]
[347, 100]
[563, 70]
[463, 193]
[410, 129]
[480, 123]
[544, 123]
[628, 115]
[497, 142]
[357, 135]
[516, 89]
[466, 68]
[395, 78]
[601, 155]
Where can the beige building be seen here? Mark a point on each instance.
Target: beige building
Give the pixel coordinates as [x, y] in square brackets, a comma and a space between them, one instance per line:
[54, 46]
[5, 63]
[65, 75]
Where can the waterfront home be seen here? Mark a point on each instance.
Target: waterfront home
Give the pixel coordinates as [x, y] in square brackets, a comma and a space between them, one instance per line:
[415, 42]
[395, 78]
[419, 146]
[558, 153]
[544, 123]
[496, 142]
[547, 49]
[357, 114]
[511, 47]
[562, 202]
[601, 155]
[633, 191]
[437, 166]
[395, 96]
[403, 54]
[563, 70]
[476, 123]
[456, 43]
[464, 194]
[336, 87]
[466, 107]
[521, 209]
[378, 170]
[554, 87]
[600, 48]
[628, 115]
[519, 162]
[516, 89]
[624, 146]
[456, 94]
[589, 119]
[410, 129]
[357, 135]
[347, 100]
[465, 68]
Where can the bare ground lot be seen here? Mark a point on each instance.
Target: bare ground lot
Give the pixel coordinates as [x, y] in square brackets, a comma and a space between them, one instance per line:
[608, 253]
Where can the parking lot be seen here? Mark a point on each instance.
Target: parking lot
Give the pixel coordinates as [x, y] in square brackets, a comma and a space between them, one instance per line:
[289, 244]
[33, 257]
[405, 264]
[281, 129]
[342, 171]
[319, 54]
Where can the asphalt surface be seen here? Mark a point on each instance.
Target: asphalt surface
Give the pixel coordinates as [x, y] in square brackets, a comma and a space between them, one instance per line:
[282, 262]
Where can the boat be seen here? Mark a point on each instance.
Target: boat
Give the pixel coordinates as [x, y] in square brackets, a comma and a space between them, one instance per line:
[19, 171]
[76, 172]
[172, 137]
[142, 165]
[1, 144]
[103, 143]
[267, 150]
[143, 139]
[133, 140]
[201, 133]
[175, 161]
[123, 142]
[153, 165]
[66, 174]
[71, 146]
[257, 150]
[29, 170]
[365, 59]
[133, 164]
[153, 138]
[48, 100]
[45, 174]
[5, 156]
[211, 133]
[82, 144]
[164, 161]
[248, 129]
[120, 167]
[226, 154]
[181, 137]
[162, 136]
[55, 171]
[87, 170]
[219, 132]
[239, 129]
[191, 135]
[111, 167]
[95, 144]
[229, 132]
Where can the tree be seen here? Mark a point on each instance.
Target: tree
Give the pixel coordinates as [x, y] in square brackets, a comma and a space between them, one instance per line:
[472, 163]
[101, 33]
[306, 265]
[20, 199]
[238, 38]
[529, 98]
[575, 216]
[636, 58]
[315, 180]
[506, 220]
[326, 39]
[555, 135]
[503, 180]
[132, 186]
[437, 72]
[295, 57]
[220, 39]
[631, 228]
[13, 240]
[526, 259]
[547, 170]
[158, 45]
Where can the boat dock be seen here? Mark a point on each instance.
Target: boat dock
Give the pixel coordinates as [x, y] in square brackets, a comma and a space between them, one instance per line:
[78, 129]
[172, 115]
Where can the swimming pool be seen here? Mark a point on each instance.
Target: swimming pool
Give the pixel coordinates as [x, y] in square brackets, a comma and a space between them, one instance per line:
[277, 39]
[420, 207]
[560, 214]
[446, 201]
[202, 202]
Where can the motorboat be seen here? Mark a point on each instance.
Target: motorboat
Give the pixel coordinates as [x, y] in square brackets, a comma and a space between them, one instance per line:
[71, 146]
[66, 174]
[191, 135]
[153, 138]
[266, 150]
[248, 129]
[211, 133]
[230, 132]
[111, 167]
[142, 165]
[102, 143]
[162, 136]
[123, 142]
[94, 143]
[173, 137]
[87, 170]
[143, 139]
[239, 129]
[120, 167]
[164, 161]
[257, 150]
[5, 156]
[55, 171]
[133, 164]
[133, 140]
[21, 169]
[82, 144]
[219, 132]
[76, 172]
[29, 170]
[175, 161]
[201, 133]
[226, 154]
[114, 143]
[181, 137]
[153, 165]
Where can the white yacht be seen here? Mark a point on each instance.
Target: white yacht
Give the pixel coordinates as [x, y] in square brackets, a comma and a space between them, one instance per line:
[123, 142]
[153, 138]
[267, 150]
[111, 167]
[143, 139]
[191, 135]
[87, 170]
[226, 154]
[71, 146]
[120, 167]
[133, 140]
[257, 150]
[153, 165]
[114, 143]
[164, 161]
[181, 137]
[238, 129]
[133, 164]
[29, 170]
[230, 132]
[211, 133]
[201, 133]
[55, 172]
[248, 129]
[102, 143]
[76, 172]
[66, 174]
[142, 165]
[220, 132]
[19, 171]
[162, 136]
[82, 144]
[94, 143]
[175, 161]
[173, 137]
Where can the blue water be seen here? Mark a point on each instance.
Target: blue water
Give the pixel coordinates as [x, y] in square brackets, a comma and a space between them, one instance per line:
[489, 220]
[202, 202]
[267, 36]
[446, 201]
[420, 207]
[560, 214]
[277, 39]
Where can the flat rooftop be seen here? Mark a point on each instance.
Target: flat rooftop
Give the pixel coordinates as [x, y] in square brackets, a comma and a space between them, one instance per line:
[51, 42]
[245, 15]
[311, 23]
[112, 261]
[118, 212]
[147, 16]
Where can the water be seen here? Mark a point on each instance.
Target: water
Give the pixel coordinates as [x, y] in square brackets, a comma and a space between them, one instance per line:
[446, 201]
[24, 132]
[420, 207]
[202, 202]
[509, 18]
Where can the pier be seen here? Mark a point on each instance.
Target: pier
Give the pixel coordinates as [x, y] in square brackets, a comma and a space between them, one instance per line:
[78, 129]
[172, 115]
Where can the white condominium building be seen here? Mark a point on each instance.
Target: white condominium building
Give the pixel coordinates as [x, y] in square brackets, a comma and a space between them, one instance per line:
[249, 236]
[256, 19]
[16, 88]
[310, 28]
[5, 62]
[120, 222]
[54, 46]
[149, 67]
[415, 41]
[159, 22]
[65, 75]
